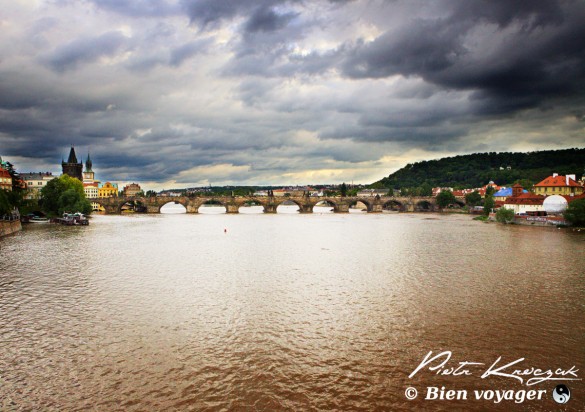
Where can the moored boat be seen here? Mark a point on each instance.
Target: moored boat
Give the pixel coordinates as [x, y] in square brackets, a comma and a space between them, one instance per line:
[32, 218]
[38, 219]
[74, 219]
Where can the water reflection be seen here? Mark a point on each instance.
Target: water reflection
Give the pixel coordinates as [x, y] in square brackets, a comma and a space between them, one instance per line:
[211, 209]
[288, 207]
[251, 210]
[173, 208]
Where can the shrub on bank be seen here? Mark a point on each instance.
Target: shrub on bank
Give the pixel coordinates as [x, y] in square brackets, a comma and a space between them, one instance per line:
[575, 212]
[504, 215]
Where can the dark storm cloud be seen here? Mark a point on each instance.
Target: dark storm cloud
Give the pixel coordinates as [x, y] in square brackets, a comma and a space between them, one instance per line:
[211, 12]
[255, 90]
[530, 13]
[267, 20]
[264, 47]
[84, 50]
[534, 51]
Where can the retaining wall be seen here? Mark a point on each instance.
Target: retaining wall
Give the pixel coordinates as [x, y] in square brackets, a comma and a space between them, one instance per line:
[9, 227]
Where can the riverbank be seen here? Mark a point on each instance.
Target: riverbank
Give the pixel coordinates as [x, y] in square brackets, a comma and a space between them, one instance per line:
[542, 221]
[9, 227]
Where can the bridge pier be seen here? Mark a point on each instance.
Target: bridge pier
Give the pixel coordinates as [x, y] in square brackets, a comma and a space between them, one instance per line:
[376, 208]
[306, 208]
[341, 208]
[111, 210]
[192, 208]
[270, 208]
[232, 208]
[152, 209]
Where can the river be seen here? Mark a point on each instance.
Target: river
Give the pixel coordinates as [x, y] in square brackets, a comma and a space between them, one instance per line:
[284, 312]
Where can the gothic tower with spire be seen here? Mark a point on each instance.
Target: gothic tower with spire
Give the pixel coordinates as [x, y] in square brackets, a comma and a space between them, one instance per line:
[88, 174]
[71, 167]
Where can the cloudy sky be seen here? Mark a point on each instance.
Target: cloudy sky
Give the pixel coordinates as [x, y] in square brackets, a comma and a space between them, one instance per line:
[180, 93]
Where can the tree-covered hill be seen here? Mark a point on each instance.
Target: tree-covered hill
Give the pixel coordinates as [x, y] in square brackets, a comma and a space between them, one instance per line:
[475, 170]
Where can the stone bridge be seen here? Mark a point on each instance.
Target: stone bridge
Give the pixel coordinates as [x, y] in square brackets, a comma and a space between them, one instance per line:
[113, 205]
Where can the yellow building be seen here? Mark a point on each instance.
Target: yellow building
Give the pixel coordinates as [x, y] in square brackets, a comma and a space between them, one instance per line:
[558, 185]
[108, 190]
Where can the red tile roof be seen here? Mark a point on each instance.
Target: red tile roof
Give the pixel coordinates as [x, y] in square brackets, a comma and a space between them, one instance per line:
[571, 198]
[4, 173]
[526, 199]
[557, 181]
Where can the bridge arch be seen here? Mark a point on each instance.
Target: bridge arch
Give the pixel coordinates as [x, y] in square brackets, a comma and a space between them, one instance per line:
[101, 204]
[325, 203]
[288, 201]
[394, 206]
[459, 202]
[172, 202]
[212, 204]
[367, 202]
[423, 206]
[251, 206]
[136, 204]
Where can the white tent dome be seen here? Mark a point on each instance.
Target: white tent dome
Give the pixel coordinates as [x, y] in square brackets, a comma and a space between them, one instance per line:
[555, 204]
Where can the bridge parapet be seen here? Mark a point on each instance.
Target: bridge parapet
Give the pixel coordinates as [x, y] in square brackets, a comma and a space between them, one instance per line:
[374, 204]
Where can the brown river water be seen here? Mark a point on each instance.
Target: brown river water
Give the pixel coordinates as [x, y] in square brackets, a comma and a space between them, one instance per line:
[258, 312]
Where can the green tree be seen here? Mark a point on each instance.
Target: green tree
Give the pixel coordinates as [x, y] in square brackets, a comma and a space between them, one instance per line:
[5, 204]
[150, 193]
[390, 192]
[504, 215]
[575, 212]
[445, 198]
[425, 189]
[50, 194]
[473, 199]
[353, 192]
[64, 194]
[475, 169]
[488, 204]
[489, 191]
[377, 185]
[343, 190]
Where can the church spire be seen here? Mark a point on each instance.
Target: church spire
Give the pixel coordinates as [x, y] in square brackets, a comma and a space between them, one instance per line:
[72, 157]
[72, 167]
[88, 163]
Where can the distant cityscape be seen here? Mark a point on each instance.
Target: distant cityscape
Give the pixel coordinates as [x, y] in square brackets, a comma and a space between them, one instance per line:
[552, 194]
